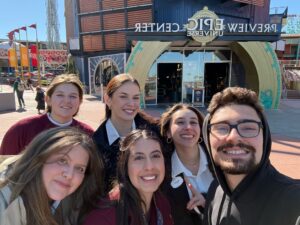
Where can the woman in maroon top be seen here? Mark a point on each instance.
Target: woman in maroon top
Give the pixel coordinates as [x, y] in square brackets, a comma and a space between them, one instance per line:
[63, 97]
[140, 172]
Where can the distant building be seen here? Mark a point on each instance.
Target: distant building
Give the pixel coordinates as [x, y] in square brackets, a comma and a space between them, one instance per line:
[288, 48]
[179, 50]
[288, 53]
[50, 60]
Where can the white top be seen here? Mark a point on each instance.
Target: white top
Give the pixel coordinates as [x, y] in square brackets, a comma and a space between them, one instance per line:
[202, 180]
[57, 123]
[54, 206]
[112, 132]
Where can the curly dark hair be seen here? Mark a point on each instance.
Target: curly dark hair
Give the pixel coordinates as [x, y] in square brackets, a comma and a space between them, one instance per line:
[165, 120]
[235, 95]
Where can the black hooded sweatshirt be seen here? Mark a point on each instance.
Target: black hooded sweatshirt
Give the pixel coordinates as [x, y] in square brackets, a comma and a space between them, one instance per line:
[263, 197]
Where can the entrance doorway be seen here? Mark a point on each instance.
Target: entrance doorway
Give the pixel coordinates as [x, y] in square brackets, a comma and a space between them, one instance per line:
[216, 78]
[105, 71]
[169, 78]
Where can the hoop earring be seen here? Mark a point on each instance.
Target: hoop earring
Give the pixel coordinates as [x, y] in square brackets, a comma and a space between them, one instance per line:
[169, 140]
[200, 140]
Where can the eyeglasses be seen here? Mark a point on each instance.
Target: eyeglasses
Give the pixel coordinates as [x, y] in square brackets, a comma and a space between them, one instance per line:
[246, 128]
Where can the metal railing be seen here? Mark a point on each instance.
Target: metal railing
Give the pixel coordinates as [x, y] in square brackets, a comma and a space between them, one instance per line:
[289, 90]
[289, 63]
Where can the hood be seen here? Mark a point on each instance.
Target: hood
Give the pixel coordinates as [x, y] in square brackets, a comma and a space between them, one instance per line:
[264, 163]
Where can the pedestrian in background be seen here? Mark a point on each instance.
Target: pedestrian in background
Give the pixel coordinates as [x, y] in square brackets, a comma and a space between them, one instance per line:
[19, 88]
[54, 182]
[137, 199]
[40, 99]
[63, 96]
[29, 84]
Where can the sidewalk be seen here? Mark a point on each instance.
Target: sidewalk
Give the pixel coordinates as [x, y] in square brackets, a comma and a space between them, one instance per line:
[284, 125]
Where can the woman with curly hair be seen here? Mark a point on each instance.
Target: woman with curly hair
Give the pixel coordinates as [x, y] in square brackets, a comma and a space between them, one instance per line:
[188, 173]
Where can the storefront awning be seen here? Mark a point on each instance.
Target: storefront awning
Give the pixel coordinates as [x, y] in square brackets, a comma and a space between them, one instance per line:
[292, 75]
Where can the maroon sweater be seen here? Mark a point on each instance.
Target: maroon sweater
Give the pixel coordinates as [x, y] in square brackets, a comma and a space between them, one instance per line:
[107, 215]
[21, 133]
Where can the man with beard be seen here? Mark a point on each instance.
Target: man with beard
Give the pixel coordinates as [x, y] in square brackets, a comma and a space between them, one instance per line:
[249, 189]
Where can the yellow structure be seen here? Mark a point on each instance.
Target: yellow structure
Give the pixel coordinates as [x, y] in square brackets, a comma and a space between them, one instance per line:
[262, 69]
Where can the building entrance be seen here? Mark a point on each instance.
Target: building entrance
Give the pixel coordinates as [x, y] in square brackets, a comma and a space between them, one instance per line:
[216, 78]
[105, 71]
[169, 80]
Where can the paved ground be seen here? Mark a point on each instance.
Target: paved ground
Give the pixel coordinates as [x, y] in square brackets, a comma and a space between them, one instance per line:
[284, 124]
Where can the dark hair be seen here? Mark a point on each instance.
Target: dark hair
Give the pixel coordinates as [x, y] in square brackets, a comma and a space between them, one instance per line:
[130, 202]
[65, 79]
[166, 118]
[235, 96]
[114, 84]
[26, 177]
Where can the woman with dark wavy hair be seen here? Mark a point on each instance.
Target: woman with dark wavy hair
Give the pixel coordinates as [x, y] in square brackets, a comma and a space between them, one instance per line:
[140, 172]
[188, 175]
[56, 181]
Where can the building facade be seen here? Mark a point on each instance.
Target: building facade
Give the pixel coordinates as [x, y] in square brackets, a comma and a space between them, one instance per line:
[179, 50]
[51, 60]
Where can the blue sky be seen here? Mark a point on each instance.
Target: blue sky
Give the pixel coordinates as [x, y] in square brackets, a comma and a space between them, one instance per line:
[18, 13]
[293, 5]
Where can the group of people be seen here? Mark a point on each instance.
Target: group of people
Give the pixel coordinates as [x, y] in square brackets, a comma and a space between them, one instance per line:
[181, 169]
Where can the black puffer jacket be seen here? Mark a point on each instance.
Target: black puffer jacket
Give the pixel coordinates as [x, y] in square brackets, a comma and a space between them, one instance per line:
[263, 197]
